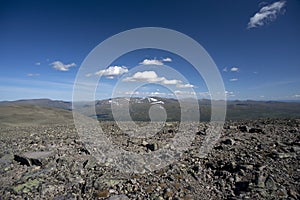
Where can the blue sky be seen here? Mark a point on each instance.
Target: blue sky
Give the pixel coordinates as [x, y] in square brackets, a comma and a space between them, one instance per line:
[255, 45]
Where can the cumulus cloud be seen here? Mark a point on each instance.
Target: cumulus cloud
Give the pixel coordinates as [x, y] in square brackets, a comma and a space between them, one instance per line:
[151, 62]
[111, 72]
[184, 85]
[167, 60]
[58, 65]
[266, 14]
[234, 69]
[171, 82]
[145, 76]
[152, 77]
[155, 61]
[233, 79]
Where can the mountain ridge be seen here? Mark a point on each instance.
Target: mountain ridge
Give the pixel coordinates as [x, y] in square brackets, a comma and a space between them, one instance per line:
[139, 107]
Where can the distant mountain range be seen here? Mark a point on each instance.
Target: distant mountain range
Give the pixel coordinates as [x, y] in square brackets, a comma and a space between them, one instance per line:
[139, 108]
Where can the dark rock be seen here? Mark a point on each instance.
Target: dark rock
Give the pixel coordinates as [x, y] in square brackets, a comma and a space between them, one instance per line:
[84, 150]
[255, 130]
[243, 128]
[241, 186]
[22, 160]
[33, 158]
[201, 133]
[152, 147]
[228, 141]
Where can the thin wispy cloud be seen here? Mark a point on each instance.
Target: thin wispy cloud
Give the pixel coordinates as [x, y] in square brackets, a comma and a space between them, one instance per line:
[233, 79]
[186, 93]
[266, 14]
[58, 65]
[38, 63]
[111, 72]
[234, 69]
[155, 61]
[33, 74]
[297, 95]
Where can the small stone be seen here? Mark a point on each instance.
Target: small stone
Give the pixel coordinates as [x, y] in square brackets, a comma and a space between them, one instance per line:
[293, 194]
[152, 147]
[233, 127]
[282, 155]
[247, 167]
[228, 141]
[102, 193]
[119, 197]
[243, 128]
[255, 130]
[133, 181]
[270, 183]
[201, 133]
[144, 143]
[168, 193]
[260, 181]
[241, 186]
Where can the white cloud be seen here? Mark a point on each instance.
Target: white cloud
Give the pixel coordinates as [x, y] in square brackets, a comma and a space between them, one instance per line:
[151, 62]
[167, 60]
[229, 94]
[180, 92]
[266, 14]
[38, 63]
[152, 77]
[111, 72]
[184, 85]
[155, 61]
[233, 79]
[145, 76]
[297, 95]
[62, 67]
[33, 74]
[234, 69]
[171, 82]
[225, 69]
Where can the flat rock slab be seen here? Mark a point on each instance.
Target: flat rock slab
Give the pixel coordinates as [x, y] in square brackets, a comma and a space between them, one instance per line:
[33, 158]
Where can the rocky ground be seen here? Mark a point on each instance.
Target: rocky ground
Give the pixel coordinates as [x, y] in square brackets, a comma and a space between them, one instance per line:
[252, 160]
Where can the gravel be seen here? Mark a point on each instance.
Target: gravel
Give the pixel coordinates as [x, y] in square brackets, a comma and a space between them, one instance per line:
[256, 159]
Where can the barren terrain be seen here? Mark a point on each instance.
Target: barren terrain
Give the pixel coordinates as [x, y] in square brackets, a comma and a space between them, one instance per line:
[253, 159]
